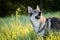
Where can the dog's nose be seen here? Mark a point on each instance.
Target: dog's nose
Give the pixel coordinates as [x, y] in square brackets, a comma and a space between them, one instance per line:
[37, 17]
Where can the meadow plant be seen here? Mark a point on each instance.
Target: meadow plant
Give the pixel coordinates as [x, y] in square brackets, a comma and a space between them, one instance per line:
[20, 28]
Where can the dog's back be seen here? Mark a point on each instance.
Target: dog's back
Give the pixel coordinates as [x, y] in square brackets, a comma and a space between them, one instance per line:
[55, 23]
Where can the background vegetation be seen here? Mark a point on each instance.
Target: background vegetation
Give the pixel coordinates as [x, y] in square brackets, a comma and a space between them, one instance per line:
[20, 28]
[8, 7]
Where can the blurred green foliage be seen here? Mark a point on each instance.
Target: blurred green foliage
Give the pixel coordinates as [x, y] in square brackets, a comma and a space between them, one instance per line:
[8, 7]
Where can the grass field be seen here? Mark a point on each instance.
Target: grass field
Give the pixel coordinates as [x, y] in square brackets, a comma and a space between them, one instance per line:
[20, 28]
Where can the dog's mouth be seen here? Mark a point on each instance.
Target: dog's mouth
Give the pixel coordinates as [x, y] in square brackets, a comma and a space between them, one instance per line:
[37, 17]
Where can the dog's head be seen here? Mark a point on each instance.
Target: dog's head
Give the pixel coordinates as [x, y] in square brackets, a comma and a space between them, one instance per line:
[34, 13]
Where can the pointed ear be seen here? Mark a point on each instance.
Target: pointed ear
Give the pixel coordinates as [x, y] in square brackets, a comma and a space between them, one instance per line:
[38, 8]
[29, 9]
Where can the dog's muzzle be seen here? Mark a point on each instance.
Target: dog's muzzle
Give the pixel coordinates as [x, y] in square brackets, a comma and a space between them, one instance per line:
[37, 17]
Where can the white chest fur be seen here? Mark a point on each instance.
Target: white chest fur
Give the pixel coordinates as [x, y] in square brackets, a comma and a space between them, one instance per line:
[36, 24]
[36, 27]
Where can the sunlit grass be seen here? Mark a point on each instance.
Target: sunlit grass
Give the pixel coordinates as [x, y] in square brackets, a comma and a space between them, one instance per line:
[20, 28]
[15, 31]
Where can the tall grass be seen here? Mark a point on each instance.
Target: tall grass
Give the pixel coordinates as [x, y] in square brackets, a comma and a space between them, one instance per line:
[52, 14]
[20, 28]
[16, 31]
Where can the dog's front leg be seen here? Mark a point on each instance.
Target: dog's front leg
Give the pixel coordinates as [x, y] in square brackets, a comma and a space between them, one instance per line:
[41, 29]
[36, 29]
[49, 25]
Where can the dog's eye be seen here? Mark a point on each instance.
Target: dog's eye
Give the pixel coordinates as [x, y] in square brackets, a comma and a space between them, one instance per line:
[39, 14]
[31, 14]
[35, 11]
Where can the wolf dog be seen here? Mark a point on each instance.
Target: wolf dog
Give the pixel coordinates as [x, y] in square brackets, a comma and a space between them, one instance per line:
[42, 24]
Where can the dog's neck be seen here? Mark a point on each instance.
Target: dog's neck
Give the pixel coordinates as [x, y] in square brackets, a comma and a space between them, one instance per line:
[36, 24]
